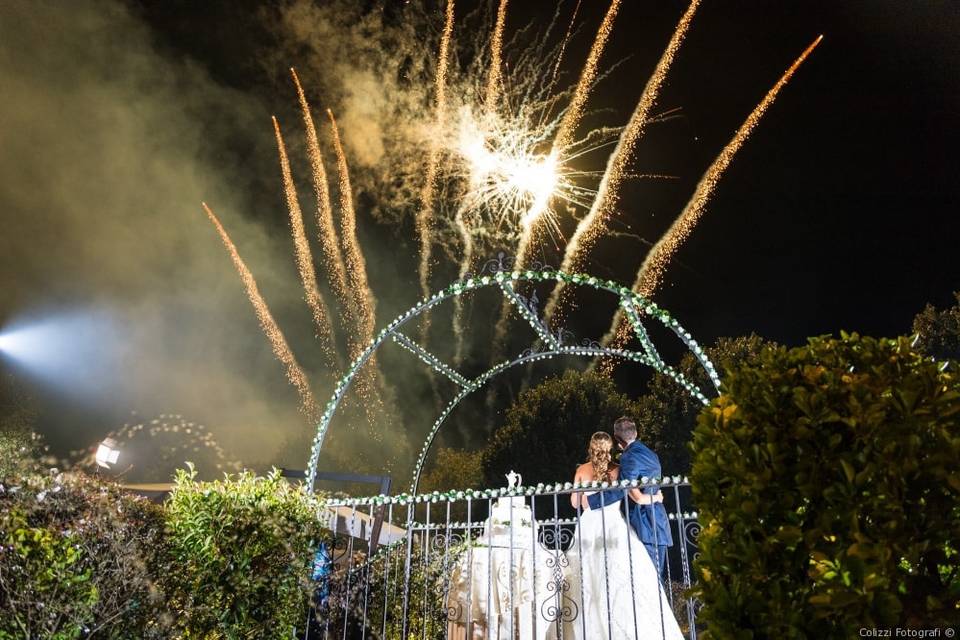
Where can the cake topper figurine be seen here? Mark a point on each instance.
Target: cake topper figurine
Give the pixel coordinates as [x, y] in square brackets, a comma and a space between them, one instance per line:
[513, 479]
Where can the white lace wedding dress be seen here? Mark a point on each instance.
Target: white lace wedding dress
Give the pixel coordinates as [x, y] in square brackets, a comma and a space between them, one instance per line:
[605, 575]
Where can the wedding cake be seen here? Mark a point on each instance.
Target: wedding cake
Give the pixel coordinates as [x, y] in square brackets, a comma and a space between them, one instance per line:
[510, 514]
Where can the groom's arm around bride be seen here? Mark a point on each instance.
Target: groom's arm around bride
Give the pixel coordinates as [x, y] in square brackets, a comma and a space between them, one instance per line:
[648, 520]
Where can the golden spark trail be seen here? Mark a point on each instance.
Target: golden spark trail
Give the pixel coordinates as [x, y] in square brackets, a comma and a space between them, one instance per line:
[568, 124]
[592, 225]
[651, 272]
[327, 235]
[496, 51]
[563, 45]
[535, 218]
[321, 316]
[588, 76]
[425, 214]
[356, 265]
[281, 350]
[465, 265]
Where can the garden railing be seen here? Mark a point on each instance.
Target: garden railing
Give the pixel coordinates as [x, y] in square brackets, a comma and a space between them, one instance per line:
[500, 563]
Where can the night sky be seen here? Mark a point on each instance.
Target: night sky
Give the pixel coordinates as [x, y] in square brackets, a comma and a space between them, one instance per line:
[841, 212]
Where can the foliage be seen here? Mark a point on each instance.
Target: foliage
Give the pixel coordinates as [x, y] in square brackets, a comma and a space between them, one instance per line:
[380, 590]
[938, 332]
[18, 411]
[78, 560]
[667, 413]
[19, 447]
[554, 419]
[242, 547]
[20, 453]
[43, 566]
[453, 469]
[827, 485]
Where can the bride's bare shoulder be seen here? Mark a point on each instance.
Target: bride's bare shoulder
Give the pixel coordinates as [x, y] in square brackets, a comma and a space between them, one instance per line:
[585, 471]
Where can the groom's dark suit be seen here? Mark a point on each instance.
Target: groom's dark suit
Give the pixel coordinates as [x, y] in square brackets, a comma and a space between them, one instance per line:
[649, 521]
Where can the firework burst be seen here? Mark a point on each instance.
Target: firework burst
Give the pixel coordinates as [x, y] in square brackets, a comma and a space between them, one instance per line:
[495, 164]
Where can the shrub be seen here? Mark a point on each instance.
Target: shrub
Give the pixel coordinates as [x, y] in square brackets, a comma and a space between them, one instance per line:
[373, 593]
[77, 559]
[242, 548]
[938, 331]
[20, 453]
[826, 482]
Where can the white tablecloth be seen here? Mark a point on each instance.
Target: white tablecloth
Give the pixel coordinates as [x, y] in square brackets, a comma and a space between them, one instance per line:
[481, 593]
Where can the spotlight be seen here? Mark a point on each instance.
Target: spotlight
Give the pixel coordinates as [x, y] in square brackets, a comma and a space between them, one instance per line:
[107, 453]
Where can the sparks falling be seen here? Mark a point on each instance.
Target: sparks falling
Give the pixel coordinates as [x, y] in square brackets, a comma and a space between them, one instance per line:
[304, 259]
[356, 264]
[533, 219]
[539, 218]
[563, 45]
[425, 214]
[496, 50]
[327, 235]
[295, 374]
[592, 226]
[651, 272]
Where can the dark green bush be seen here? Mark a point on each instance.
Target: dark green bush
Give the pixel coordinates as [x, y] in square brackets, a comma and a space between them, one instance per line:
[77, 560]
[242, 548]
[827, 482]
[938, 331]
[373, 592]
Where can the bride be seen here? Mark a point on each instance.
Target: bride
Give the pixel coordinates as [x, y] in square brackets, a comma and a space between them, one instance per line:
[609, 570]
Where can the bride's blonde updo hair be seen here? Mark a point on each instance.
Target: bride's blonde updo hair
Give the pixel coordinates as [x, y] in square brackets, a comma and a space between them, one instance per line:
[598, 452]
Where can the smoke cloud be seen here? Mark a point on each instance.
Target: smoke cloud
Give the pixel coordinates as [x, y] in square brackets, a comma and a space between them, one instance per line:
[108, 149]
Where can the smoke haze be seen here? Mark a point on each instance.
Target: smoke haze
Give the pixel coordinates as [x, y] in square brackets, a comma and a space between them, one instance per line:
[107, 150]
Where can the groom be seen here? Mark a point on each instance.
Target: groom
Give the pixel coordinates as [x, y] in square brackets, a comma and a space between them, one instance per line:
[648, 520]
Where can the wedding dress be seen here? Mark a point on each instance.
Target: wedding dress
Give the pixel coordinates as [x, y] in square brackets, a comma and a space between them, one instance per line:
[611, 576]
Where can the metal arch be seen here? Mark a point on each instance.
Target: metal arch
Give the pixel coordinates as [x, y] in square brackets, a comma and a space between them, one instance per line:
[500, 276]
[590, 351]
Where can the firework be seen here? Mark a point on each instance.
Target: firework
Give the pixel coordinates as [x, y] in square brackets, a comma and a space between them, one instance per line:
[492, 166]
[547, 180]
[544, 174]
[563, 45]
[652, 270]
[327, 235]
[356, 265]
[592, 225]
[304, 259]
[496, 49]
[466, 264]
[274, 335]
[425, 213]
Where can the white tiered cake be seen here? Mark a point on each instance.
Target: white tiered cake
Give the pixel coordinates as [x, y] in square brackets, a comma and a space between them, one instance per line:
[510, 515]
